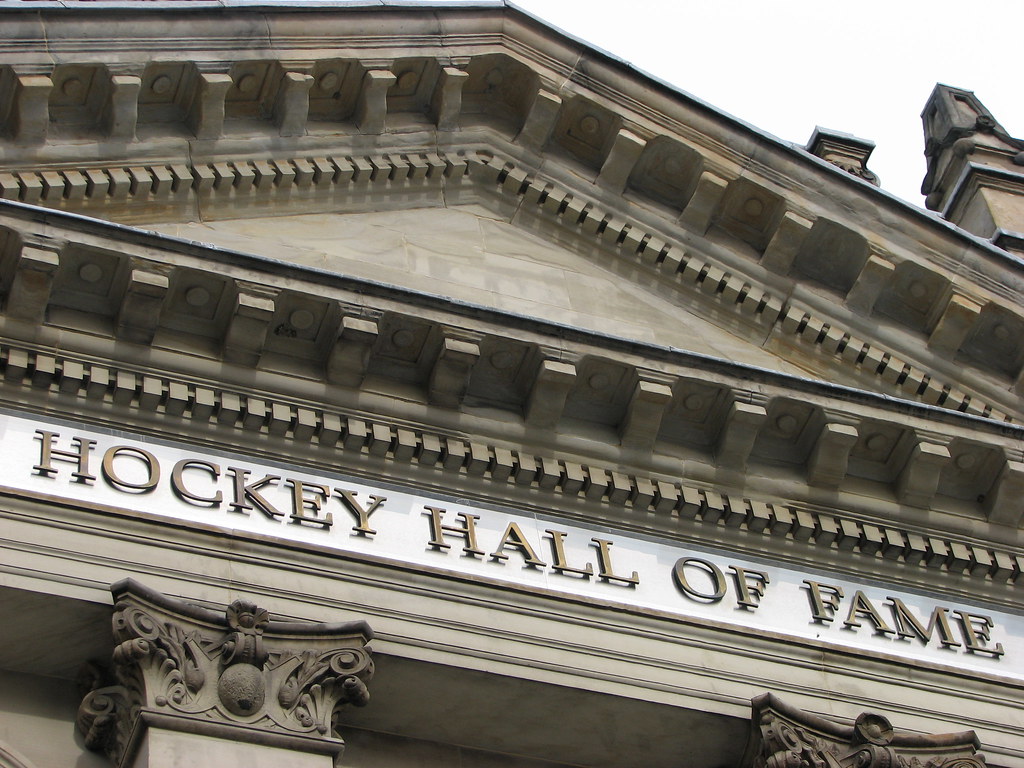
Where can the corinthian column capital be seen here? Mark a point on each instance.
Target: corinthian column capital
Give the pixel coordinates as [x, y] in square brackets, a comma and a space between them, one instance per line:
[783, 736]
[235, 676]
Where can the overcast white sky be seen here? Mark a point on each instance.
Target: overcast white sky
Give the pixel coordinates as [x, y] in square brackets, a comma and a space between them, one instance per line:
[865, 67]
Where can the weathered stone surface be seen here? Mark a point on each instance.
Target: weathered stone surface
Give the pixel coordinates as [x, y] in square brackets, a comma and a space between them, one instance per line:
[499, 263]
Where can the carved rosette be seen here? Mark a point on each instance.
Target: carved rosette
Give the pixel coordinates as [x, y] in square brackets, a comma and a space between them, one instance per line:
[786, 737]
[205, 668]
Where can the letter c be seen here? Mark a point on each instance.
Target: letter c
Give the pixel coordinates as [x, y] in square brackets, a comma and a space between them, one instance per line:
[178, 483]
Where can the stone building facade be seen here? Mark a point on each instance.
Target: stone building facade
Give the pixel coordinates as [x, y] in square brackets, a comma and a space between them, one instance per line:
[414, 385]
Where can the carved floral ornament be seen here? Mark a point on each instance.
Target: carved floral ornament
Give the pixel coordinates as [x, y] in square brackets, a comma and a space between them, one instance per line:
[238, 675]
[785, 737]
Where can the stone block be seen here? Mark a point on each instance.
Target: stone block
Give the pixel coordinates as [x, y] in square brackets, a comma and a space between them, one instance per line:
[33, 281]
[551, 386]
[372, 105]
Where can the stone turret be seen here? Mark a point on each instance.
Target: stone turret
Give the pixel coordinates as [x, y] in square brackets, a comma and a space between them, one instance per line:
[975, 176]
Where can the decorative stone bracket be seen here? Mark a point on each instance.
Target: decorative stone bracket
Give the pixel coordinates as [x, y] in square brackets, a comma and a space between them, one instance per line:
[845, 151]
[785, 737]
[238, 676]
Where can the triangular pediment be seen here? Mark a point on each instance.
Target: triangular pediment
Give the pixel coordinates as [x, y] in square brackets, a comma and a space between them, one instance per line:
[470, 254]
[772, 290]
[787, 252]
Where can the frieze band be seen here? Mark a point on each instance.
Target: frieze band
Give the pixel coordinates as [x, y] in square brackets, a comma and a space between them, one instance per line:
[528, 551]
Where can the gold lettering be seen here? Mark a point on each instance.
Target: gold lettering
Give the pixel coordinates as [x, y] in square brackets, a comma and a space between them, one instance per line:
[467, 531]
[78, 456]
[147, 458]
[561, 565]
[605, 570]
[178, 482]
[713, 571]
[750, 586]
[514, 538]
[301, 502]
[362, 514]
[861, 606]
[824, 600]
[908, 625]
[976, 630]
[249, 492]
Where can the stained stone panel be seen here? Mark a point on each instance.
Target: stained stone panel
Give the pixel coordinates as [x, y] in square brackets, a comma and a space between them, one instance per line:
[750, 212]
[997, 340]
[971, 470]
[601, 392]
[332, 97]
[692, 416]
[586, 131]
[832, 256]
[78, 92]
[166, 92]
[667, 172]
[498, 90]
[90, 281]
[914, 297]
[789, 432]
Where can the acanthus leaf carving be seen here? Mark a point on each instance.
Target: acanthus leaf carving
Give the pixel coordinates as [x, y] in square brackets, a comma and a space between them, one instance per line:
[236, 667]
[785, 737]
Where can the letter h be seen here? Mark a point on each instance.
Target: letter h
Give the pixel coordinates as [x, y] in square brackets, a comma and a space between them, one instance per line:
[79, 456]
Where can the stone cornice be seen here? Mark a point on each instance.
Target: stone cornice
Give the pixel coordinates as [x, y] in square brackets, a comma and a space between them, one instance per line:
[484, 24]
[976, 176]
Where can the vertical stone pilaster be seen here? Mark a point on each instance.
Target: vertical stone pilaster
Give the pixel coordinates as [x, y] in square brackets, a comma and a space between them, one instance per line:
[350, 356]
[642, 422]
[449, 378]
[291, 110]
[621, 160]
[247, 332]
[786, 242]
[30, 115]
[140, 308]
[551, 386]
[700, 210]
[739, 431]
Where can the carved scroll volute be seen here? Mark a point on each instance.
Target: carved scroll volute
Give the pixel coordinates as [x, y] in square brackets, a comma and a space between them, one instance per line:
[186, 667]
[785, 737]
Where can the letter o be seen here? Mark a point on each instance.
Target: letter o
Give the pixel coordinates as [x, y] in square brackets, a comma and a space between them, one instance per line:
[712, 570]
[147, 458]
